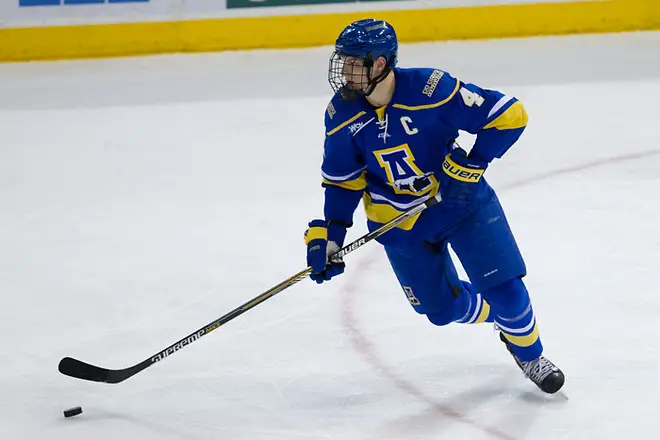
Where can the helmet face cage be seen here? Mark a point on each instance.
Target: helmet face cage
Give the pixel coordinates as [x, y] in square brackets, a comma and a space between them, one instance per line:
[351, 76]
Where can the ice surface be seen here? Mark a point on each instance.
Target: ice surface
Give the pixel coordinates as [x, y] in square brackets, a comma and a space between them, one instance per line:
[142, 198]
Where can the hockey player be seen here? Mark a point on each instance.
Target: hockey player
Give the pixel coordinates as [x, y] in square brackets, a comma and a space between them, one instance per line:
[390, 141]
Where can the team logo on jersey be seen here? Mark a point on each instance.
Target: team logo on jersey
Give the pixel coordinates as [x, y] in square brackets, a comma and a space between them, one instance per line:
[402, 173]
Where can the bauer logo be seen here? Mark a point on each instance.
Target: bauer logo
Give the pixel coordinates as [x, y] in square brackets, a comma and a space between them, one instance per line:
[353, 246]
[461, 173]
[25, 3]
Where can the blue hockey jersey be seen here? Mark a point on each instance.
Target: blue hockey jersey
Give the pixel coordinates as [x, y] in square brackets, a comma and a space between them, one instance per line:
[393, 157]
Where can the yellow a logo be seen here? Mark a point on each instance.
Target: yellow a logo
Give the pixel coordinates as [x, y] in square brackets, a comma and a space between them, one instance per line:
[402, 173]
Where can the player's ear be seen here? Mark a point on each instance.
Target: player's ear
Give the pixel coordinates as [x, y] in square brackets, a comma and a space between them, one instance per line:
[379, 65]
[383, 62]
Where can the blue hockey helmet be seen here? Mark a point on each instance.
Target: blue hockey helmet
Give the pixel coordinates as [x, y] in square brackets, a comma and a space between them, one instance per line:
[358, 46]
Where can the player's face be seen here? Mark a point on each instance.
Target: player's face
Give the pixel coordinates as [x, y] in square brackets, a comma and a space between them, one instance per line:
[355, 74]
[350, 76]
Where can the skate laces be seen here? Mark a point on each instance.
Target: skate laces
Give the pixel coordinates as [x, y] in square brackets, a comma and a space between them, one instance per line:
[538, 369]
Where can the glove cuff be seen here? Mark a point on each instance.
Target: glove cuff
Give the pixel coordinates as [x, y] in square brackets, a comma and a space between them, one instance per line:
[460, 156]
[459, 167]
[318, 230]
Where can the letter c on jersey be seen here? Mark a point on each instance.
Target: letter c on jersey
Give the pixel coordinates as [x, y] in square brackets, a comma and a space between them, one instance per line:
[405, 120]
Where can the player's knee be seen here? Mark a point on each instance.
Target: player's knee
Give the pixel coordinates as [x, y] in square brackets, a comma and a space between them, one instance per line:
[441, 318]
[509, 295]
[468, 288]
[456, 309]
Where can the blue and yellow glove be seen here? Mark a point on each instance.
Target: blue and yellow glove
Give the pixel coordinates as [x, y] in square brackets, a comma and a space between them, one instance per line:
[323, 239]
[465, 173]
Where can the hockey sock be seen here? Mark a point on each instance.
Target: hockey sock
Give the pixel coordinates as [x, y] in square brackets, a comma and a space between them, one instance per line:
[468, 308]
[473, 308]
[515, 318]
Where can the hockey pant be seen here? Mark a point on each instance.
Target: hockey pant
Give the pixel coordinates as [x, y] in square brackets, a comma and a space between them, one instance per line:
[488, 252]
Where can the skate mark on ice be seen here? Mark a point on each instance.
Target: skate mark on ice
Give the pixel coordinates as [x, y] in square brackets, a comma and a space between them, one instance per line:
[367, 349]
[580, 167]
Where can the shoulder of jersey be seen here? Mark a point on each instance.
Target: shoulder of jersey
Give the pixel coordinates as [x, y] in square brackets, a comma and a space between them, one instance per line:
[339, 113]
[425, 88]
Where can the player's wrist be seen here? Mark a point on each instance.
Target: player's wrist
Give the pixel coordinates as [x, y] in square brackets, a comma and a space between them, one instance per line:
[337, 231]
[472, 161]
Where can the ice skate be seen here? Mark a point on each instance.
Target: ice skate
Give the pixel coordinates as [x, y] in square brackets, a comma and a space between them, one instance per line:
[546, 375]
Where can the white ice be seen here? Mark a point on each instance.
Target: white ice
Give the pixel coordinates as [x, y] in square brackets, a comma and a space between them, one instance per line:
[143, 198]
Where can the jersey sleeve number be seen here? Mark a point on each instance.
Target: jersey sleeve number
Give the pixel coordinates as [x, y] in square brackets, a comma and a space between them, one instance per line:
[471, 98]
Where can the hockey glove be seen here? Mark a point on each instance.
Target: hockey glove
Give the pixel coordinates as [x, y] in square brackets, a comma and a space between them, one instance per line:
[324, 239]
[465, 176]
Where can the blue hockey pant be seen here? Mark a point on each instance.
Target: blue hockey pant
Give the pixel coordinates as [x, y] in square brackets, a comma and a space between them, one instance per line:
[487, 250]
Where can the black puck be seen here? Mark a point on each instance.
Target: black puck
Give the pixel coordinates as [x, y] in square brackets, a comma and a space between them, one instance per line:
[72, 411]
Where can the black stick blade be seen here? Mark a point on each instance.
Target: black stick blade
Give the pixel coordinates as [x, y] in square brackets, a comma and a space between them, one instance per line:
[81, 370]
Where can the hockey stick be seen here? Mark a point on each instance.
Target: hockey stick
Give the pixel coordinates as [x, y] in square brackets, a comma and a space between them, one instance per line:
[82, 370]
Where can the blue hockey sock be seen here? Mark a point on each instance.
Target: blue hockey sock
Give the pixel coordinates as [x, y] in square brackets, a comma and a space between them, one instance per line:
[515, 318]
[468, 308]
[474, 308]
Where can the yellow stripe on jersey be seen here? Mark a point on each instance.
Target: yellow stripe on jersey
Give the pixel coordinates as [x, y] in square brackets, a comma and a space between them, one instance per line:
[344, 124]
[514, 117]
[381, 213]
[429, 106]
[524, 341]
[316, 232]
[354, 185]
[485, 311]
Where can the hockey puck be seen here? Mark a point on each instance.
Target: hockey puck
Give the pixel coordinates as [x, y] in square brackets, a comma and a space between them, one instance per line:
[72, 411]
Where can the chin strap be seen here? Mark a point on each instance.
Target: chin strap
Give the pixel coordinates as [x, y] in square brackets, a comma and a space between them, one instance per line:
[375, 81]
